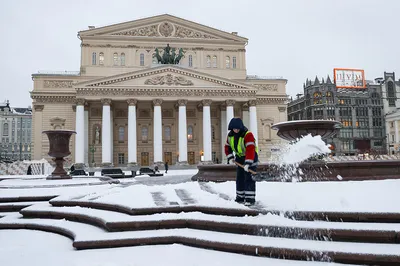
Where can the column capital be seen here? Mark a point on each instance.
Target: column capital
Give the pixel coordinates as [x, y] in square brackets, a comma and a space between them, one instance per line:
[206, 102]
[182, 102]
[245, 106]
[230, 102]
[252, 102]
[80, 101]
[157, 102]
[38, 107]
[132, 102]
[106, 101]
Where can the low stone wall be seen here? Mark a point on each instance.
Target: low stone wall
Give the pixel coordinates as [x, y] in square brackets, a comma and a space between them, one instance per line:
[309, 171]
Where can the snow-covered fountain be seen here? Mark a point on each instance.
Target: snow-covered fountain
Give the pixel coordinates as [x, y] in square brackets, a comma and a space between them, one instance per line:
[306, 139]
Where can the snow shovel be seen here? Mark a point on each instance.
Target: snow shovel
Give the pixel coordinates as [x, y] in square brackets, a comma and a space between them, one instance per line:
[257, 176]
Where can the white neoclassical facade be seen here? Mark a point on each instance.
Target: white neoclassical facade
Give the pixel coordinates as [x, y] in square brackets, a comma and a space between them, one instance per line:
[129, 109]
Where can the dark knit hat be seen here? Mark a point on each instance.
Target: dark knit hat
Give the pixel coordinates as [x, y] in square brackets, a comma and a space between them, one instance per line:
[236, 123]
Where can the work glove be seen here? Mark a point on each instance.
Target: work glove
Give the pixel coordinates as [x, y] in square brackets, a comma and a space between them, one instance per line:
[231, 161]
[246, 167]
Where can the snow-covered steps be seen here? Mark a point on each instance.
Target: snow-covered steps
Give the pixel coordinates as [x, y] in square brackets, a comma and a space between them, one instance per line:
[15, 206]
[27, 198]
[89, 237]
[265, 225]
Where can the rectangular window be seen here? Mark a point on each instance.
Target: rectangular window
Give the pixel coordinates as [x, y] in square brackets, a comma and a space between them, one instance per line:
[122, 59]
[121, 158]
[94, 60]
[142, 59]
[234, 62]
[190, 61]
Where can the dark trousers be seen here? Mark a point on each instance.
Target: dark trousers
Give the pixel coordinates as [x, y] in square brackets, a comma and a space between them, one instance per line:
[245, 185]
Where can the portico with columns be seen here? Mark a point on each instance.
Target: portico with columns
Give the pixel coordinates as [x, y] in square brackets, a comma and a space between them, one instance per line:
[197, 136]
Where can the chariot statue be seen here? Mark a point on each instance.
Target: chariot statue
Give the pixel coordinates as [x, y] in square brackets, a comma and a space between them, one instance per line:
[169, 56]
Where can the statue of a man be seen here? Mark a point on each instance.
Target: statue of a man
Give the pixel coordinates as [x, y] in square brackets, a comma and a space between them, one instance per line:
[167, 49]
[97, 136]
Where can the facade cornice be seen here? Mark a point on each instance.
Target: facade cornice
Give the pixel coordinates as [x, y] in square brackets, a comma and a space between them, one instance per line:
[161, 46]
[271, 100]
[164, 92]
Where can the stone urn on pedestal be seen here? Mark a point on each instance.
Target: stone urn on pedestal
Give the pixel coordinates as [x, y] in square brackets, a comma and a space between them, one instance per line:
[59, 148]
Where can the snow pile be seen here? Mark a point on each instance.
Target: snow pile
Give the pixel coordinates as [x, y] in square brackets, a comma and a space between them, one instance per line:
[294, 154]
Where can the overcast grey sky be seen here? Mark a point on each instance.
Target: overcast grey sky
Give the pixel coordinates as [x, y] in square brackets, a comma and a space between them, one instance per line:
[296, 39]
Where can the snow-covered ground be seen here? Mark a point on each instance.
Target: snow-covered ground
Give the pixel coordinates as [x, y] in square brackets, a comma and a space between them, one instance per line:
[26, 247]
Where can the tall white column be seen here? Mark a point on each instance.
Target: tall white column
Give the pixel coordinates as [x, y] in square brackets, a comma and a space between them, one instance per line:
[253, 119]
[86, 149]
[157, 132]
[80, 133]
[132, 140]
[396, 132]
[229, 112]
[106, 134]
[182, 132]
[207, 143]
[223, 133]
[111, 136]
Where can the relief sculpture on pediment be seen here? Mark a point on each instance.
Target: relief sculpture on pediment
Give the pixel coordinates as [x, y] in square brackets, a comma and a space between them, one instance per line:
[168, 80]
[150, 31]
[182, 32]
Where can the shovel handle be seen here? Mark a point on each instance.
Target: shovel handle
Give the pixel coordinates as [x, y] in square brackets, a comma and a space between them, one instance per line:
[241, 165]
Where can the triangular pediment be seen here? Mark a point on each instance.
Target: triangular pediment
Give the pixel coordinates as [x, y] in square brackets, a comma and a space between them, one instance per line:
[162, 26]
[164, 76]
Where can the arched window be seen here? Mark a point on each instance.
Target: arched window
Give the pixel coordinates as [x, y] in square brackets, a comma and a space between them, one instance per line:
[317, 97]
[208, 60]
[227, 62]
[94, 60]
[234, 62]
[121, 134]
[167, 133]
[213, 133]
[190, 61]
[5, 129]
[145, 134]
[115, 59]
[214, 61]
[190, 133]
[142, 59]
[101, 58]
[122, 59]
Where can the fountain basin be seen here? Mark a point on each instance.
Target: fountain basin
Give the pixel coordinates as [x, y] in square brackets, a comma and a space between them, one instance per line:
[312, 171]
[293, 130]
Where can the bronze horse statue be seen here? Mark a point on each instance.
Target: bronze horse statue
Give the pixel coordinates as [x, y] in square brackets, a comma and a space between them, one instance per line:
[157, 55]
[181, 54]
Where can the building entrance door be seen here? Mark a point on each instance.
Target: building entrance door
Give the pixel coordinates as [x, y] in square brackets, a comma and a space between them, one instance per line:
[144, 159]
[191, 157]
[168, 157]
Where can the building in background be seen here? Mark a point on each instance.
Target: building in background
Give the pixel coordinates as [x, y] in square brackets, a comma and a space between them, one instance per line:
[15, 132]
[391, 106]
[358, 106]
[133, 102]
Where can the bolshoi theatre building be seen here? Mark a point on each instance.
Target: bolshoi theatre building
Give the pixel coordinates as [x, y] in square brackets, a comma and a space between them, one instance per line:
[158, 89]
